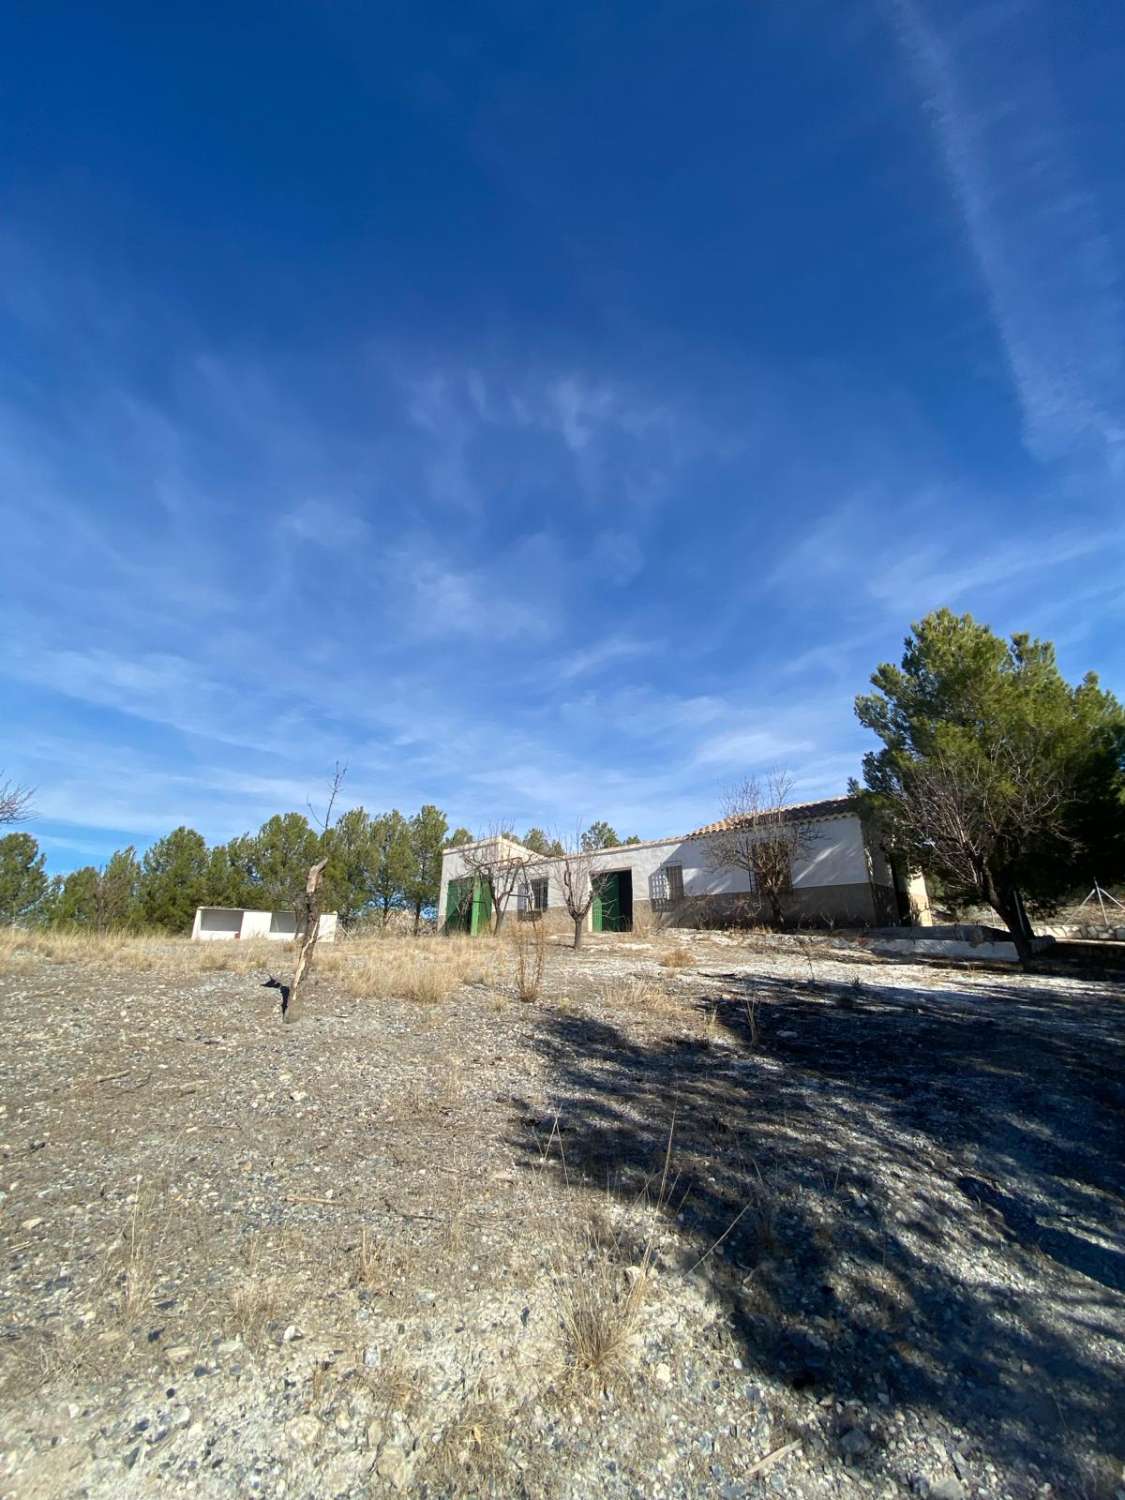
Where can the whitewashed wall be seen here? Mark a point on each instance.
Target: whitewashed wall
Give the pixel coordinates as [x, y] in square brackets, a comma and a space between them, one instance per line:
[836, 856]
[225, 923]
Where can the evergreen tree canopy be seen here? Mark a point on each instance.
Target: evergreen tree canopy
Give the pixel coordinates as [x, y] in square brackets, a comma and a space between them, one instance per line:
[392, 862]
[77, 904]
[285, 846]
[537, 841]
[599, 835]
[995, 773]
[350, 872]
[23, 884]
[230, 874]
[174, 880]
[427, 831]
[118, 891]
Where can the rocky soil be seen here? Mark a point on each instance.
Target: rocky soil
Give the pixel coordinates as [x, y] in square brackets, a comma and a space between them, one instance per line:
[784, 1220]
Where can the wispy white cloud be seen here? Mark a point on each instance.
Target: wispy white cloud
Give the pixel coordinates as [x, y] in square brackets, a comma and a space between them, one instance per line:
[752, 747]
[328, 523]
[602, 654]
[1032, 223]
[901, 554]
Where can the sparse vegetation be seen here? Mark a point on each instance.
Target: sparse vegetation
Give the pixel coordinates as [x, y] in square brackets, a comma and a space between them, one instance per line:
[438, 1238]
[600, 1304]
[530, 946]
[136, 1263]
[677, 958]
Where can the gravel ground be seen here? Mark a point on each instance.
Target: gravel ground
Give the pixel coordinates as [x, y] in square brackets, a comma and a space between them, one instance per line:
[787, 1220]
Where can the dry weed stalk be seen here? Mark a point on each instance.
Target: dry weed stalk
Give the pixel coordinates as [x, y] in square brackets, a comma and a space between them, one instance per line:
[369, 1269]
[603, 1297]
[530, 957]
[753, 1030]
[133, 1263]
[254, 1300]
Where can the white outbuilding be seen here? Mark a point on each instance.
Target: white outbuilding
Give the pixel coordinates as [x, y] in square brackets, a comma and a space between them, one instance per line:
[219, 923]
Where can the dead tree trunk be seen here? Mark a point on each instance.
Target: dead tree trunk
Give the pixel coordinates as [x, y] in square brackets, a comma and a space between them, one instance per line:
[308, 930]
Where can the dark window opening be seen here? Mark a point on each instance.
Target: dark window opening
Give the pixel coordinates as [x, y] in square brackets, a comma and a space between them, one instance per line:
[666, 887]
[533, 898]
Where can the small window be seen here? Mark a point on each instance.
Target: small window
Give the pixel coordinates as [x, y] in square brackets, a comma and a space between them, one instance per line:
[533, 898]
[666, 887]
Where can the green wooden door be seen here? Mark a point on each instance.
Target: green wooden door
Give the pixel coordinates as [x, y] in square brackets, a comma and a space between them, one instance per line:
[596, 914]
[607, 905]
[482, 908]
[458, 906]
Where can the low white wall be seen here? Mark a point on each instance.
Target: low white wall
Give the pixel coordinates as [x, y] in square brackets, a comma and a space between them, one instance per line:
[950, 948]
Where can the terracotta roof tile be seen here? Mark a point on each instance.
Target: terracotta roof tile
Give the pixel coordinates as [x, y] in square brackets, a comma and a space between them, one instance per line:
[828, 807]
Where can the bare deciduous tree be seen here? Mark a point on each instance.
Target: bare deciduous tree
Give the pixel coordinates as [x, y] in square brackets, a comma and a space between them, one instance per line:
[763, 837]
[15, 802]
[580, 882]
[501, 865]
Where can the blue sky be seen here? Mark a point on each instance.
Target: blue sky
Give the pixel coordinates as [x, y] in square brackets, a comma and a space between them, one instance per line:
[554, 413]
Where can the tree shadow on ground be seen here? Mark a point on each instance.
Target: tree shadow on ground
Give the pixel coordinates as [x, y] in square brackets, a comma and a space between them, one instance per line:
[919, 1193]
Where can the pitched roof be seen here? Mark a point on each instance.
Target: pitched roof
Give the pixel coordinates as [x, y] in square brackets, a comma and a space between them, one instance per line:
[828, 807]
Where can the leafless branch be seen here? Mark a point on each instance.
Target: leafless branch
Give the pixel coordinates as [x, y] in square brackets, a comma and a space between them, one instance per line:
[325, 823]
[580, 882]
[501, 864]
[763, 838]
[15, 802]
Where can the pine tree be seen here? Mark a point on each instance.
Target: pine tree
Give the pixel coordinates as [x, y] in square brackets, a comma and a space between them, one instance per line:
[996, 775]
[427, 838]
[23, 883]
[285, 847]
[392, 863]
[174, 880]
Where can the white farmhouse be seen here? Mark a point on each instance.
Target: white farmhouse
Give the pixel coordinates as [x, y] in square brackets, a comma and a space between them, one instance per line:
[840, 877]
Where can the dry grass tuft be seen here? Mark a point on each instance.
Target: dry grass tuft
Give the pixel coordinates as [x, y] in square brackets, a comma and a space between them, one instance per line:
[634, 993]
[255, 1300]
[370, 1268]
[640, 994]
[255, 1306]
[23, 947]
[604, 1284]
[426, 969]
[600, 1304]
[472, 1456]
[678, 958]
[132, 1267]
